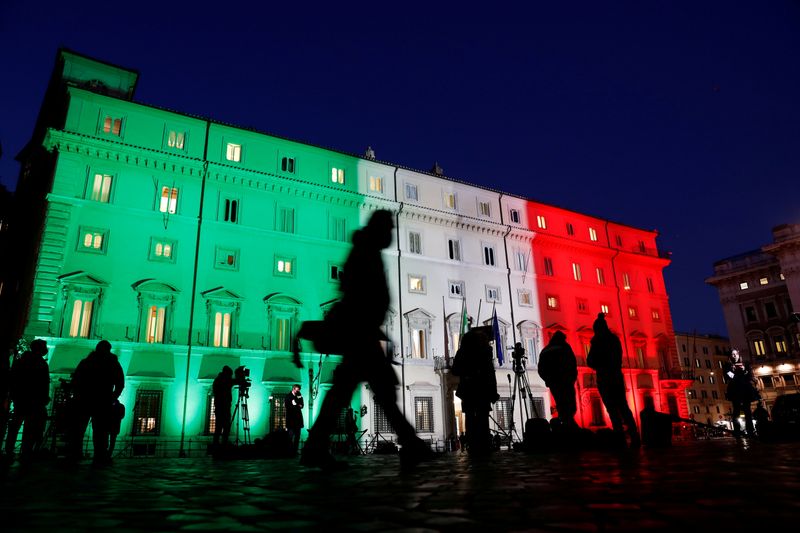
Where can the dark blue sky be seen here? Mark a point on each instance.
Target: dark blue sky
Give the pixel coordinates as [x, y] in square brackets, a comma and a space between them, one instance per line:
[679, 116]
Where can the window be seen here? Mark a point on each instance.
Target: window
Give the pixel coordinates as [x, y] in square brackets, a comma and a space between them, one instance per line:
[583, 305]
[285, 220]
[337, 229]
[101, 188]
[769, 309]
[484, 209]
[226, 258]
[708, 361]
[282, 312]
[233, 152]
[277, 410]
[456, 289]
[759, 347]
[604, 308]
[548, 266]
[229, 210]
[337, 175]
[376, 184]
[525, 297]
[642, 247]
[750, 314]
[650, 287]
[514, 214]
[656, 315]
[419, 328]
[593, 234]
[112, 125]
[696, 409]
[154, 324]
[416, 283]
[601, 277]
[419, 343]
[379, 419]
[633, 313]
[454, 249]
[334, 272]
[81, 318]
[169, 200]
[81, 295]
[176, 139]
[541, 222]
[94, 240]
[697, 363]
[576, 271]
[502, 413]
[156, 302]
[743, 285]
[763, 281]
[423, 414]
[488, 255]
[714, 394]
[552, 302]
[222, 329]
[288, 165]
[284, 266]
[492, 294]
[147, 412]
[626, 281]
[450, 200]
[211, 418]
[767, 382]
[521, 260]
[411, 191]
[162, 250]
[414, 242]
[570, 229]
[780, 343]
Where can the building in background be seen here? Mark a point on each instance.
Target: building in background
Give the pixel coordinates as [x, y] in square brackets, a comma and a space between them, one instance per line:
[702, 359]
[191, 244]
[759, 292]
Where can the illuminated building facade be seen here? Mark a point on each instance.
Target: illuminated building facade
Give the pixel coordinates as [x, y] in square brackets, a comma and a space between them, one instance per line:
[192, 244]
[759, 292]
[702, 359]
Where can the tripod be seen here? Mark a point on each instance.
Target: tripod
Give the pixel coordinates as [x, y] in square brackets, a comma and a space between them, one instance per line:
[521, 388]
[241, 407]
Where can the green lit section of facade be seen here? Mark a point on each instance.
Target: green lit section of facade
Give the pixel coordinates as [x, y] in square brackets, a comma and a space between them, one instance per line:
[120, 258]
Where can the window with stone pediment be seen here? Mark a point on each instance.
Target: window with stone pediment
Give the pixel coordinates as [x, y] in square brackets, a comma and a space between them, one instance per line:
[531, 338]
[222, 308]
[420, 323]
[156, 302]
[282, 321]
[81, 295]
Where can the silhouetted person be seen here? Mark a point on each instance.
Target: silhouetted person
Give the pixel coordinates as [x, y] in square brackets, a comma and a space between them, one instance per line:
[741, 392]
[222, 388]
[559, 370]
[350, 430]
[293, 402]
[5, 401]
[353, 328]
[97, 385]
[605, 357]
[117, 414]
[477, 387]
[29, 391]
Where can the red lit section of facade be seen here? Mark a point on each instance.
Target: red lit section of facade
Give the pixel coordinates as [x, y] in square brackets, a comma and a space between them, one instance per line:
[585, 265]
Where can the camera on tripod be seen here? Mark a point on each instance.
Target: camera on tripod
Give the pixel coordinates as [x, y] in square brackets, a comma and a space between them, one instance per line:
[241, 378]
[518, 357]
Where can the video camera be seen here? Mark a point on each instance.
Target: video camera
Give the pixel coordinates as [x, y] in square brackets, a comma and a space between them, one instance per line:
[241, 378]
[518, 357]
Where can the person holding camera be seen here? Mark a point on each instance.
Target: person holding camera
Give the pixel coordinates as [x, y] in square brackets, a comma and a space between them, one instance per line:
[222, 388]
[293, 402]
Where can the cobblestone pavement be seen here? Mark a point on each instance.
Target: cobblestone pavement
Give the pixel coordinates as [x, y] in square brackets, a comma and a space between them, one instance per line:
[688, 487]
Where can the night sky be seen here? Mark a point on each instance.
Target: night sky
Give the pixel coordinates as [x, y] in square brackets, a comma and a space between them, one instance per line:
[679, 116]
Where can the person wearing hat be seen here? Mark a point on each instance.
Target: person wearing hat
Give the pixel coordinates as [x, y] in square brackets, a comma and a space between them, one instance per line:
[605, 357]
[29, 391]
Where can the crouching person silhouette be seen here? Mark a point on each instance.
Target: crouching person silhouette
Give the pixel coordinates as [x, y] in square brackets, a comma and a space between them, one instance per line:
[352, 329]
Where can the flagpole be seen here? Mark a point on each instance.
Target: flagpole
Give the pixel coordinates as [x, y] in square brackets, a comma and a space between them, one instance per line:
[446, 339]
[478, 318]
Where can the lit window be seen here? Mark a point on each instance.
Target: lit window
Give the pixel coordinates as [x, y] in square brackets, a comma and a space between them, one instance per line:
[457, 289]
[162, 250]
[416, 283]
[226, 259]
[81, 321]
[222, 330]
[626, 281]
[337, 175]
[604, 309]
[548, 266]
[759, 347]
[411, 192]
[552, 302]
[492, 294]
[650, 286]
[780, 343]
[541, 221]
[450, 200]
[454, 249]
[284, 266]
[93, 240]
[414, 242]
[744, 285]
[525, 297]
[601, 278]
[169, 200]
[656, 315]
[782, 277]
[285, 220]
[632, 312]
[176, 139]
[484, 209]
[423, 414]
[570, 229]
[376, 184]
[287, 165]
[488, 255]
[155, 324]
[419, 344]
[233, 152]
[592, 234]
[112, 125]
[763, 281]
[147, 412]
[514, 216]
[101, 188]
[576, 271]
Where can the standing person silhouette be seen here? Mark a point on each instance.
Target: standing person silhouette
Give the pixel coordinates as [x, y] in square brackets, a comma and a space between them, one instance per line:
[29, 390]
[293, 402]
[97, 385]
[352, 328]
[605, 357]
[222, 388]
[559, 370]
[741, 392]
